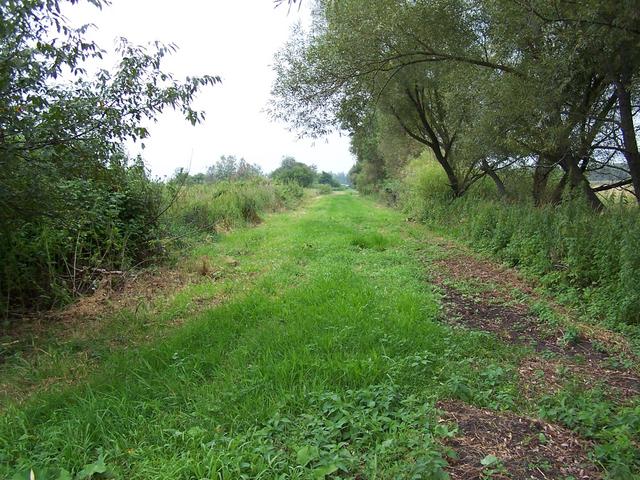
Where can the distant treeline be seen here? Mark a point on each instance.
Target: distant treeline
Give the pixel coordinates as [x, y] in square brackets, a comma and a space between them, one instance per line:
[229, 167]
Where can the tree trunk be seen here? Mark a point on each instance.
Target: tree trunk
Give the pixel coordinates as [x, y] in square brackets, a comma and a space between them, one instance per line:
[454, 183]
[556, 196]
[575, 178]
[540, 180]
[502, 191]
[578, 180]
[629, 135]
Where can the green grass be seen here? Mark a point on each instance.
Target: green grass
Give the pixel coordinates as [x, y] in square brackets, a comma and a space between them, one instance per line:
[329, 360]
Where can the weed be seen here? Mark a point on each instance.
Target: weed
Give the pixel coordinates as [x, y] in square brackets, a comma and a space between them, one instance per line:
[571, 336]
[592, 414]
[492, 466]
[324, 189]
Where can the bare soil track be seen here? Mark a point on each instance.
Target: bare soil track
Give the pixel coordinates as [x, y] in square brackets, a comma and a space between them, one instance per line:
[526, 448]
[495, 310]
[481, 296]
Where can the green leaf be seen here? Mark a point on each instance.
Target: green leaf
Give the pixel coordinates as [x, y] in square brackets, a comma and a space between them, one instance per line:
[64, 475]
[388, 443]
[43, 474]
[321, 472]
[23, 475]
[306, 454]
[98, 467]
[489, 460]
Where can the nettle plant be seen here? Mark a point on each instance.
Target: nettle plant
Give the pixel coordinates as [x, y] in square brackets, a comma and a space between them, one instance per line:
[60, 126]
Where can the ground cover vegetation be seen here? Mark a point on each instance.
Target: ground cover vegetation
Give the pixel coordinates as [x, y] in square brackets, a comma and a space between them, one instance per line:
[522, 115]
[337, 339]
[370, 379]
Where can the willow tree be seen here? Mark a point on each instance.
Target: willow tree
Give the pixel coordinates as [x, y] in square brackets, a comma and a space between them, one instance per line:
[370, 55]
[558, 108]
[551, 85]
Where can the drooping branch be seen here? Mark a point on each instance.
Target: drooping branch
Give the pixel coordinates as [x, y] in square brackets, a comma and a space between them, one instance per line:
[611, 186]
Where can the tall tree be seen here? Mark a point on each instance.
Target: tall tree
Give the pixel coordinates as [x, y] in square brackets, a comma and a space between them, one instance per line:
[550, 85]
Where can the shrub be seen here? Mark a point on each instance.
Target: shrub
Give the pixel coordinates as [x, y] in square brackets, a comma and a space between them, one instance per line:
[71, 202]
[288, 193]
[324, 189]
[107, 221]
[228, 204]
[115, 222]
[292, 171]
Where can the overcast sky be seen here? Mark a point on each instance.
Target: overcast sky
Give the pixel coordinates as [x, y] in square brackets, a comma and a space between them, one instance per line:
[235, 39]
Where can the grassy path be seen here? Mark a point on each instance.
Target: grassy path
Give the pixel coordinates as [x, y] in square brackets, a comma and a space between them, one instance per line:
[328, 358]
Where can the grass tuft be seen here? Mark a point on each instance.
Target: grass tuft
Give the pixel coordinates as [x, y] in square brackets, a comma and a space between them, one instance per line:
[372, 240]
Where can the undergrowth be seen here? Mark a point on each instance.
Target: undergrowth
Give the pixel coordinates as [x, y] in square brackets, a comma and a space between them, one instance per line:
[106, 222]
[124, 222]
[220, 206]
[588, 259]
[329, 363]
[596, 416]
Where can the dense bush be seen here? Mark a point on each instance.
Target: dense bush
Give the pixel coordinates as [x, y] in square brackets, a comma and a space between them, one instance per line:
[103, 221]
[593, 259]
[71, 202]
[115, 224]
[288, 193]
[324, 189]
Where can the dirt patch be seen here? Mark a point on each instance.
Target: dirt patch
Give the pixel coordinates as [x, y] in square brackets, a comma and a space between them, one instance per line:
[127, 293]
[514, 324]
[118, 292]
[578, 352]
[524, 448]
[541, 376]
[511, 323]
[113, 293]
[463, 267]
[499, 284]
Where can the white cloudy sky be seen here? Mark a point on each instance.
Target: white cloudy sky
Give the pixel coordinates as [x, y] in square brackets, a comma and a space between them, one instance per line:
[235, 39]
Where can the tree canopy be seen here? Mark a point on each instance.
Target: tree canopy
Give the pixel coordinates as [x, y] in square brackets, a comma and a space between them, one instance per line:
[483, 85]
[291, 170]
[230, 168]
